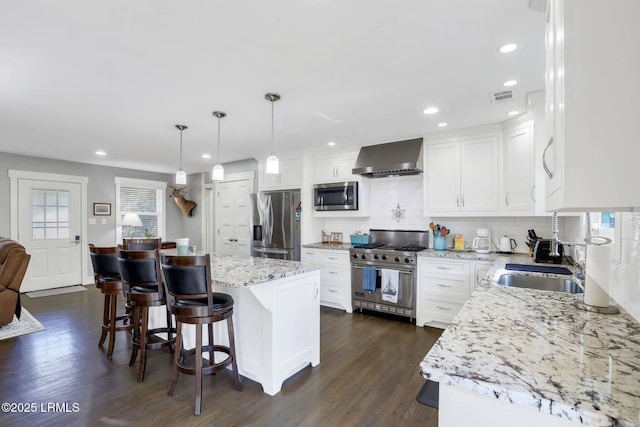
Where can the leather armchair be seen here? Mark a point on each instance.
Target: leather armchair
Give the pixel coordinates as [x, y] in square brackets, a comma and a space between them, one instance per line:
[13, 266]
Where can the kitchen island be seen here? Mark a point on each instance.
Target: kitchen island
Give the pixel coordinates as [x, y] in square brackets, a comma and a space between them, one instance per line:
[529, 358]
[276, 316]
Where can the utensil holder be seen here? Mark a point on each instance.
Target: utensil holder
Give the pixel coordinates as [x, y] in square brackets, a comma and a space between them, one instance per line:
[439, 243]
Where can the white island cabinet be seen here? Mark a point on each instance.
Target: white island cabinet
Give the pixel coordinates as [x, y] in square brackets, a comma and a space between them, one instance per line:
[276, 316]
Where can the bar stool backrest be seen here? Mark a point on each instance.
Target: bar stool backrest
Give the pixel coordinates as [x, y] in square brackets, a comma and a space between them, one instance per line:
[138, 244]
[187, 277]
[105, 263]
[139, 268]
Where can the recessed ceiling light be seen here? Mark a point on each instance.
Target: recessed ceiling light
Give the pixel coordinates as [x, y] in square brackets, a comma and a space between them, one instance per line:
[509, 47]
[443, 124]
[513, 113]
[510, 83]
[206, 156]
[430, 110]
[331, 143]
[101, 153]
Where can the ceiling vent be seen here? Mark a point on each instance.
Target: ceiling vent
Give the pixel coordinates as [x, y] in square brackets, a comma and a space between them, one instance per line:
[501, 96]
[538, 5]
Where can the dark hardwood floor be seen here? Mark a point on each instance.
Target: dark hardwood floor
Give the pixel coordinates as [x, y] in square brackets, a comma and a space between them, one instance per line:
[368, 376]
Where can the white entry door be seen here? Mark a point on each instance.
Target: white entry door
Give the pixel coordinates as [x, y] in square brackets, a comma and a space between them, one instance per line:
[232, 217]
[49, 227]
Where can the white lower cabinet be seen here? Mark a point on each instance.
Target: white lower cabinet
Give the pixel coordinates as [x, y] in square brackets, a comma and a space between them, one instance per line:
[443, 287]
[335, 277]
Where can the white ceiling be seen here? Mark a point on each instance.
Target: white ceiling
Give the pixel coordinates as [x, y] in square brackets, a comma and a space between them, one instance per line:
[77, 76]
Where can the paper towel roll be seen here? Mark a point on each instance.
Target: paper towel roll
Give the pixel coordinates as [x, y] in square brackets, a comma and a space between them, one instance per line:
[596, 292]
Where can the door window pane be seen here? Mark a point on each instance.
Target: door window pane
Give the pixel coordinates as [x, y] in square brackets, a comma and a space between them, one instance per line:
[50, 214]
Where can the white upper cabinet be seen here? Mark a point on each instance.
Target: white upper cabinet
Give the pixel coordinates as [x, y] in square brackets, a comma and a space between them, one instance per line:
[290, 176]
[519, 183]
[592, 154]
[335, 168]
[462, 177]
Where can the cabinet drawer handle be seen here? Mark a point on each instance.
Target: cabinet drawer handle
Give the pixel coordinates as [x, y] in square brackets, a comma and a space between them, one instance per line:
[533, 194]
[332, 257]
[439, 307]
[333, 290]
[440, 285]
[544, 159]
[463, 200]
[443, 268]
[506, 198]
[333, 272]
[457, 200]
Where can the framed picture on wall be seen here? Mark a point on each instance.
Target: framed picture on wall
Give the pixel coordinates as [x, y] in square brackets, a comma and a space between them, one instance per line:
[102, 209]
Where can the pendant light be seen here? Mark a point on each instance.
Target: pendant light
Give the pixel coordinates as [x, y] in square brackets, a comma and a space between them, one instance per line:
[273, 164]
[181, 176]
[217, 173]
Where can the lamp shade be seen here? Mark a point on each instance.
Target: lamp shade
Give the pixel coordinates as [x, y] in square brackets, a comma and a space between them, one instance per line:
[273, 165]
[132, 219]
[217, 173]
[181, 177]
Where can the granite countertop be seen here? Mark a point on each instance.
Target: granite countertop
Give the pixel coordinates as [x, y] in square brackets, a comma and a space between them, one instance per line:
[535, 349]
[335, 246]
[465, 254]
[239, 271]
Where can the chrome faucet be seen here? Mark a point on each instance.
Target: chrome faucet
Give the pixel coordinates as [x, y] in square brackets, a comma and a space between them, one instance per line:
[589, 239]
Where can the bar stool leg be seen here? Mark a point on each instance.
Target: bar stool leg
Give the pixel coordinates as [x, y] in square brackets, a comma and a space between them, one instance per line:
[198, 369]
[105, 318]
[232, 350]
[136, 334]
[211, 354]
[112, 324]
[144, 322]
[176, 357]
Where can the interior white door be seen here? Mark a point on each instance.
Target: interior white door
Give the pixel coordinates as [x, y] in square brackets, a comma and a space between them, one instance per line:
[49, 226]
[233, 204]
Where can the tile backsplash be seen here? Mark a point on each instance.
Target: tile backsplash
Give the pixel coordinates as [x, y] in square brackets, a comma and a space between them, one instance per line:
[397, 204]
[625, 268]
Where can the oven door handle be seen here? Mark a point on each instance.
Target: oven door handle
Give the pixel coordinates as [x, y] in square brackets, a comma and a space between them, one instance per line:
[378, 269]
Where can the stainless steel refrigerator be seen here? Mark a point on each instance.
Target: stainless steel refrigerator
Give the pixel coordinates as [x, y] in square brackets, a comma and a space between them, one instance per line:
[275, 224]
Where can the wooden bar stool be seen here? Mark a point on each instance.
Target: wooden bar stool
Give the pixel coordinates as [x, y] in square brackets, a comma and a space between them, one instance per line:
[141, 244]
[140, 274]
[107, 279]
[187, 282]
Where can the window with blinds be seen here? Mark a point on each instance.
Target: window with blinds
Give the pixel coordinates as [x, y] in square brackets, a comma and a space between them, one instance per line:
[145, 198]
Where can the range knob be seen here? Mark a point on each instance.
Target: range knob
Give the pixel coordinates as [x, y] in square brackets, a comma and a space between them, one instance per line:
[397, 259]
[407, 260]
[354, 256]
[363, 256]
[384, 257]
[375, 256]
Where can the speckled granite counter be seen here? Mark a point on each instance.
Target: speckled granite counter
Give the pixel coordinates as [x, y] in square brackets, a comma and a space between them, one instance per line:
[239, 271]
[535, 349]
[335, 246]
[468, 255]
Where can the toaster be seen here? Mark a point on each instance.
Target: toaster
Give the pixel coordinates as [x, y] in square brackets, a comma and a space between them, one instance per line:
[542, 249]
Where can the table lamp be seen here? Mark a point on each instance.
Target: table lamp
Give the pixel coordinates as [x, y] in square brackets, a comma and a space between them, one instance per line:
[132, 220]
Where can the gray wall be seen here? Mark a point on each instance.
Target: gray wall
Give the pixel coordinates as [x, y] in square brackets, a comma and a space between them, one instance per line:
[100, 188]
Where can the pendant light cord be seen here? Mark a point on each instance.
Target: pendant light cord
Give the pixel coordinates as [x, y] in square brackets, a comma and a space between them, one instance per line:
[180, 149]
[271, 126]
[218, 154]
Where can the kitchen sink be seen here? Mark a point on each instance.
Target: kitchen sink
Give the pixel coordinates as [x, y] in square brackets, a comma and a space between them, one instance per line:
[541, 283]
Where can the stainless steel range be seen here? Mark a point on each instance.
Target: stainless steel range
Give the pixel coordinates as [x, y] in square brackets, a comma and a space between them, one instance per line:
[383, 272]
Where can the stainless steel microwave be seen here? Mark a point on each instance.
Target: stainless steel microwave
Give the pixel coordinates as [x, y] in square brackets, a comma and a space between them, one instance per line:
[339, 196]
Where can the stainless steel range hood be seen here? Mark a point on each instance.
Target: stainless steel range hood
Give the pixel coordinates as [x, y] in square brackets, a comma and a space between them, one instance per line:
[389, 159]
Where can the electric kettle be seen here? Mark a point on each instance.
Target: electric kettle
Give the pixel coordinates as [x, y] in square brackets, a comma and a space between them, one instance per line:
[482, 242]
[507, 244]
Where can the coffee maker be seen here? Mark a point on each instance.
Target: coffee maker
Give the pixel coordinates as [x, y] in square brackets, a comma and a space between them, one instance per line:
[482, 242]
